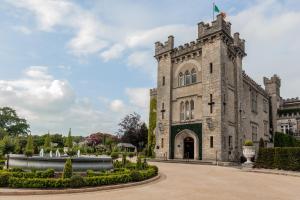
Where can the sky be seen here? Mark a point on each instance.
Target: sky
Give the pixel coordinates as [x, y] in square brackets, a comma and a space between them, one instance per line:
[86, 64]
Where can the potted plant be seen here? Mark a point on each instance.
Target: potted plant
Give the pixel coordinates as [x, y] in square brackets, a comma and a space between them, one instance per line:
[248, 151]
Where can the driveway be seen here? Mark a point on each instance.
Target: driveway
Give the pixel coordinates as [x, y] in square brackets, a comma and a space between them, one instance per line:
[196, 182]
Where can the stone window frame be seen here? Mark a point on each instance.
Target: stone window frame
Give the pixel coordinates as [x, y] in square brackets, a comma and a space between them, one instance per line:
[266, 129]
[193, 76]
[181, 79]
[265, 105]
[192, 109]
[211, 141]
[254, 132]
[182, 111]
[187, 110]
[254, 97]
[187, 78]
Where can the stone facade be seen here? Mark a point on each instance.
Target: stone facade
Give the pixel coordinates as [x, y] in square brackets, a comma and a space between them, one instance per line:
[206, 104]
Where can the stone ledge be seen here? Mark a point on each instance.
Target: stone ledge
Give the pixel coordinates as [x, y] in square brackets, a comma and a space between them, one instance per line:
[29, 191]
[272, 171]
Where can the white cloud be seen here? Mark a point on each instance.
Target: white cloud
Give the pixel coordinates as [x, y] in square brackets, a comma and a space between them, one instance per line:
[271, 31]
[112, 53]
[142, 60]
[117, 105]
[138, 97]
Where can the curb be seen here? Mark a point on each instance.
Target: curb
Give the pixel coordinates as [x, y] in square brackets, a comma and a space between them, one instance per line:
[283, 173]
[19, 192]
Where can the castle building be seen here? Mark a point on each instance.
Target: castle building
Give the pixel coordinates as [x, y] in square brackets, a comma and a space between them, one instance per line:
[207, 106]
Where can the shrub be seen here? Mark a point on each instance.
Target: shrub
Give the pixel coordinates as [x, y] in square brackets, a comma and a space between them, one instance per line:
[117, 164]
[286, 158]
[68, 171]
[49, 173]
[114, 155]
[90, 173]
[77, 181]
[284, 140]
[4, 177]
[248, 143]
[261, 143]
[16, 169]
[135, 175]
[29, 146]
[131, 154]
[123, 159]
[38, 183]
[139, 163]
[145, 164]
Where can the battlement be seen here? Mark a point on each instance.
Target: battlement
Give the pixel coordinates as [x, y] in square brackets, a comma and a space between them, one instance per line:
[238, 42]
[153, 93]
[274, 79]
[186, 48]
[252, 82]
[291, 100]
[218, 25]
[161, 48]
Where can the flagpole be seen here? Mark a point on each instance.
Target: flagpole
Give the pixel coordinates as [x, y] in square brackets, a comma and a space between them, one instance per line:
[213, 10]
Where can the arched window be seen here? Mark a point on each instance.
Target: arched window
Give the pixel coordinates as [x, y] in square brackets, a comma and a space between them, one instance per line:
[187, 110]
[187, 78]
[192, 109]
[194, 76]
[180, 79]
[181, 111]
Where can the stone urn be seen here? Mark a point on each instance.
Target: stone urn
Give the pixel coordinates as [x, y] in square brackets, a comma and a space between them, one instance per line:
[249, 152]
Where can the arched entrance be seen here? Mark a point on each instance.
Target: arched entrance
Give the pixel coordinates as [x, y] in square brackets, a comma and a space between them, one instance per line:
[188, 144]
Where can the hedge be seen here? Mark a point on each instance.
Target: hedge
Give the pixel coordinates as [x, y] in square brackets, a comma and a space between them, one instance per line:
[8, 180]
[286, 158]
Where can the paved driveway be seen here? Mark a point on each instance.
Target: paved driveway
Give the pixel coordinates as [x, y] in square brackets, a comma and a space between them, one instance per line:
[196, 182]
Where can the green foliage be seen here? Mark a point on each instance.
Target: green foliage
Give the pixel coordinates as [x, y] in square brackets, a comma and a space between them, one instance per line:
[69, 140]
[68, 170]
[38, 183]
[248, 143]
[90, 173]
[12, 123]
[29, 146]
[114, 155]
[6, 145]
[124, 159]
[286, 158]
[77, 181]
[17, 145]
[47, 143]
[4, 177]
[152, 125]
[285, 140]
[139, 164]
[135, 175]
[131, 154]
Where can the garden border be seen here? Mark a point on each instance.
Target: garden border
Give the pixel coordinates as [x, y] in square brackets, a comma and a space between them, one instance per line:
[28, 191]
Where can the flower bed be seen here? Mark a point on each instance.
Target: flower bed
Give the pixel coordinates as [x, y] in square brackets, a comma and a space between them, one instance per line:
[32, 180]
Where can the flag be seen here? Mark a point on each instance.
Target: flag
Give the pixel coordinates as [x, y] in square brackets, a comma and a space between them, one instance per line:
[216, 9]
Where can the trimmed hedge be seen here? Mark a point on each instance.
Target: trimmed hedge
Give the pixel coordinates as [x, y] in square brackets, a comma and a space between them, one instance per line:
[8, 180]
[286, 158]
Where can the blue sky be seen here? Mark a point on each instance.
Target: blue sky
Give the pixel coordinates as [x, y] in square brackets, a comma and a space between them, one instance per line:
[86, 64]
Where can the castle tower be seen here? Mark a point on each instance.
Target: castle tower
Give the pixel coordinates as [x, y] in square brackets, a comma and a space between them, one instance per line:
[164, 84]
[272, 87]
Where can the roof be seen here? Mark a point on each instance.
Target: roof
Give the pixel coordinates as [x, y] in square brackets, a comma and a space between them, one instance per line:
[126, 145]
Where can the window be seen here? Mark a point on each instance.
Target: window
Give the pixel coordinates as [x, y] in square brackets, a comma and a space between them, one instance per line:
[180, 79]
[192, 109]
[163, 81]
[254, 133]
[181, 111]
[162, 143]
[211, 142]
[254, 102]
[162, 111]
[211, 68]
[187, 78]
[194, 76]
[230, 141]
[187, 110]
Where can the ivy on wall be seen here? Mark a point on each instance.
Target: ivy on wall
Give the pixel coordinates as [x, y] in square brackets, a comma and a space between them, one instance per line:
[152, 126]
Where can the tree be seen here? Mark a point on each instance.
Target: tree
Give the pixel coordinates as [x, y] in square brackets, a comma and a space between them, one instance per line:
[68, 171]
[58, 139]
[6, 145]
[133, 130]
[69, 141]
[29, 146]
[47, 143]
[12, 123]
[152, 126]
[18, 148]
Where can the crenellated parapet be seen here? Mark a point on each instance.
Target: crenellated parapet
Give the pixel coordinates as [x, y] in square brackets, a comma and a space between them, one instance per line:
[239, 44]
[219, 25]
[153, 93]
[254, 84]
[161, 48]
[273, 80]
[187, 48]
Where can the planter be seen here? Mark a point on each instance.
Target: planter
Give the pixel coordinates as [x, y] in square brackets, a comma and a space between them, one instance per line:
[249, 152]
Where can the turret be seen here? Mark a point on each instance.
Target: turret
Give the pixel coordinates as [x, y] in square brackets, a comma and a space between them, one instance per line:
[167, 46]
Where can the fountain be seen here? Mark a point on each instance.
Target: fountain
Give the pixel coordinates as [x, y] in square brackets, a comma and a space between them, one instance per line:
[42, 152]
[78, 153]
[57, 153]
[50, 154]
